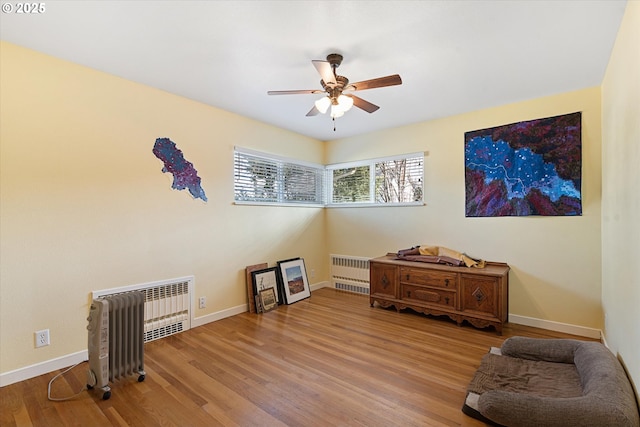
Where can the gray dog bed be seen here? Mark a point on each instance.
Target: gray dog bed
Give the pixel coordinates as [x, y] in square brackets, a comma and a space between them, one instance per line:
[551, 383]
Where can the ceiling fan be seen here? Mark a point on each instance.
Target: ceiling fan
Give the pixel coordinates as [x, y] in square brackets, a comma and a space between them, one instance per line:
[334, 85]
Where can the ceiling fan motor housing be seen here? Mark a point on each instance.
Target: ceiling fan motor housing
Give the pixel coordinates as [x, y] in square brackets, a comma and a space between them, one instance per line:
[341, 82]
[335, 59]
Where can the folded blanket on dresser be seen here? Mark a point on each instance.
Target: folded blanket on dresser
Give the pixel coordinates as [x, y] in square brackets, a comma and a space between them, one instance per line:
[439, 255]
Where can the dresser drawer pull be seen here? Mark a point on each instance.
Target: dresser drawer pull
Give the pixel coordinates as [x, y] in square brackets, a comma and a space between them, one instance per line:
[408, 277]
[446, 282]
[425, 295]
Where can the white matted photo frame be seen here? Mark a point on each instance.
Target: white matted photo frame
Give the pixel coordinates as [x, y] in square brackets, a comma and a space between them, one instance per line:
[294, 280]
[264, 279]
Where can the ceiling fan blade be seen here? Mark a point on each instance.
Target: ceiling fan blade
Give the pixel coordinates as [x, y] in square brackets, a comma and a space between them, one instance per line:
[374, 83]
[364, 105]
[293, 92]
[313, 112]
[326, 72]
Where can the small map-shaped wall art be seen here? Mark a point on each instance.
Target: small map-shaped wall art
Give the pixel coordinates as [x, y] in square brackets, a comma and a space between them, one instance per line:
[525, 168]
[185, 176]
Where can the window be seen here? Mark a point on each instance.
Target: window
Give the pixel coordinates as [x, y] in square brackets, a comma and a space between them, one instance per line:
[351, 184]
[391, 180]
[261, 178]
[265, 178]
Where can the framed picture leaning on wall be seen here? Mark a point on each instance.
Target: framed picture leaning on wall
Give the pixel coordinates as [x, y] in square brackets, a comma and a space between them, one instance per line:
[264, 279]
[294, 280]
[251, 290]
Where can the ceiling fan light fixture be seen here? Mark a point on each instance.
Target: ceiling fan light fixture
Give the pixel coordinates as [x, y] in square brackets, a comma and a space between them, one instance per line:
[336, 111]
[345, 102]
[323, 104]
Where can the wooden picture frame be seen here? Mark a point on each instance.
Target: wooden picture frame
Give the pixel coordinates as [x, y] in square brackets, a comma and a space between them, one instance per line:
[267, 278]
[268, 299]
[294, 280]
[251, 295]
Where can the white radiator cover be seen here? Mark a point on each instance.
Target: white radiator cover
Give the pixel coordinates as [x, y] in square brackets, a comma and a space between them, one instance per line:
[350, 273]
[168, 305]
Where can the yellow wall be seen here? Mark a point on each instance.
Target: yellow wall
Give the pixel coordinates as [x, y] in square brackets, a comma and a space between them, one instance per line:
[621, 194]
[555, 261]
[85, 206]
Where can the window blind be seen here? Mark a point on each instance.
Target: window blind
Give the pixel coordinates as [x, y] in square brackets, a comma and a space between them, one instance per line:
[263, 178]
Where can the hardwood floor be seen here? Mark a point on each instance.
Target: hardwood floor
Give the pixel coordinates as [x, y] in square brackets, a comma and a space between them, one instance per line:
[330, 360]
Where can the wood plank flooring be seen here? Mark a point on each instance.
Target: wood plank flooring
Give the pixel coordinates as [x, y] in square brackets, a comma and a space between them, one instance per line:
[330, 360]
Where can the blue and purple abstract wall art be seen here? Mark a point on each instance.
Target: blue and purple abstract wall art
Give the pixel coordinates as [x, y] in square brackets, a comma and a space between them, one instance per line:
[525, 168]
[184, 174]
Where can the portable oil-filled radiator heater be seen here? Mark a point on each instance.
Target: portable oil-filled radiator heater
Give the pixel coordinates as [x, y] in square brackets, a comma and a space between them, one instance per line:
[116, 339]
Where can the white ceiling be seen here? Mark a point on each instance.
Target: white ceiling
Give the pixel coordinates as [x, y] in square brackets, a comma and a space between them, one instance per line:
[453, 56]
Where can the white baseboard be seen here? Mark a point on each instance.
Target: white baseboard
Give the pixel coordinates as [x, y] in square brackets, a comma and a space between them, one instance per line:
[208, 318]
[603, 338]
[556, 326]
[319, 285]
[42, 368]
[203, 320]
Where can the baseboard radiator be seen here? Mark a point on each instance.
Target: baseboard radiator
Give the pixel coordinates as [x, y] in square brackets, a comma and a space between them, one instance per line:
[350, 273]
[122, 319]
[167, 308]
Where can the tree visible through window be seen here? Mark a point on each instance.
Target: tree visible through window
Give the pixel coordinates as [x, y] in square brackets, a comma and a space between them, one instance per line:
[399, 181]
[351, 185]
[395, 180]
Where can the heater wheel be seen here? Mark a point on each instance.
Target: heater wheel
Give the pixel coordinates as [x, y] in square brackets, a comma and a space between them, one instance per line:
[106, 395]
[141, 378]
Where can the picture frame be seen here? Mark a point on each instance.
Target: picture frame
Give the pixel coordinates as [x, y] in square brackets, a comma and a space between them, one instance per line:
[268, 299]
[251, 295]
[294, 280]
[258, 304]
[267, 278]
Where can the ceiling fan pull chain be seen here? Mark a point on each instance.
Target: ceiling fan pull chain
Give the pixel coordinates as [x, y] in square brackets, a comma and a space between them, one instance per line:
[334, 123]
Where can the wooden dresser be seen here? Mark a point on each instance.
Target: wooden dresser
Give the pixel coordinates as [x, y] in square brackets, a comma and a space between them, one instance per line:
[478, 295]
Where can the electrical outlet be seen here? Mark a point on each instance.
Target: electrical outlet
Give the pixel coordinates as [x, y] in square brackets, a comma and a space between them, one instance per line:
[313, 273]
[202, 302]
[42, 338]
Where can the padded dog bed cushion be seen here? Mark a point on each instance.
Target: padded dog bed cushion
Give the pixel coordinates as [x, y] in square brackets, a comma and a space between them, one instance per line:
[552, 383]
[535, 377]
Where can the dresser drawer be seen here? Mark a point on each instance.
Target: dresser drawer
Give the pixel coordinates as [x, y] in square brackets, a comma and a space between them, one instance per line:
[435, 296]
[421, 276]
